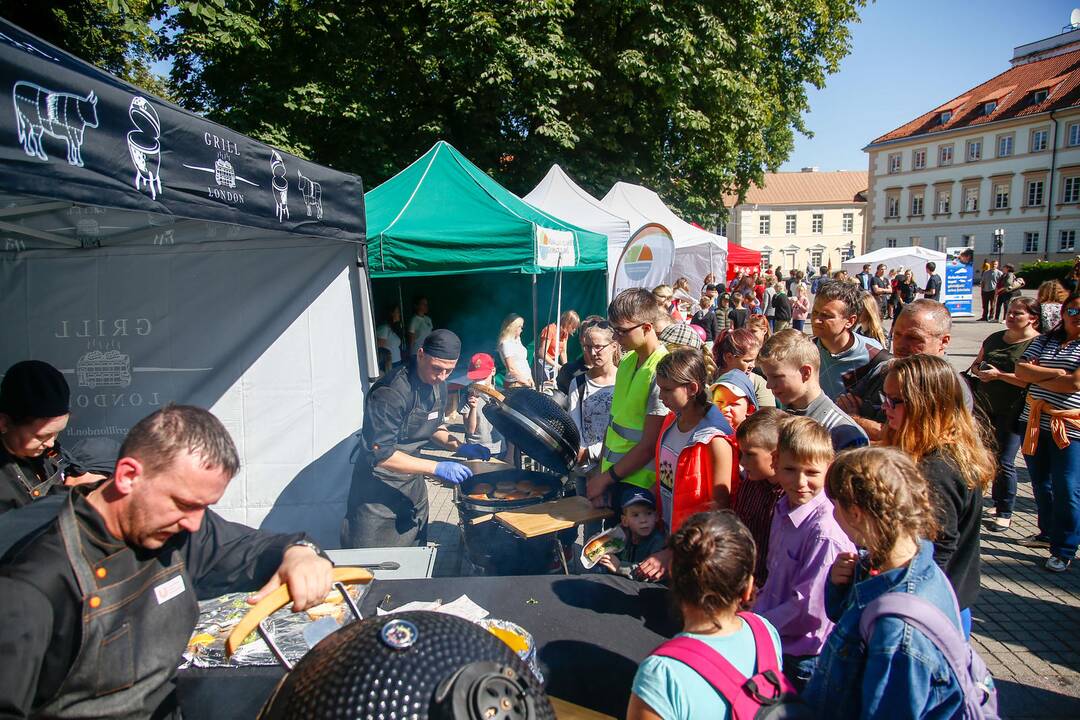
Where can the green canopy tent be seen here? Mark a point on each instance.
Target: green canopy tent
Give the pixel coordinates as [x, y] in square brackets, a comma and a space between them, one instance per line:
[444, 229]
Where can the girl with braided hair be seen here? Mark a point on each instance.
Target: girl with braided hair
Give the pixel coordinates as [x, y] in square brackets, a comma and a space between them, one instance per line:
[927, 418]
[883, 503]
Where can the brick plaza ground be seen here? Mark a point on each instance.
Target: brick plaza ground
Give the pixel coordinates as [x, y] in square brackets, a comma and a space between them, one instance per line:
[1026, 622]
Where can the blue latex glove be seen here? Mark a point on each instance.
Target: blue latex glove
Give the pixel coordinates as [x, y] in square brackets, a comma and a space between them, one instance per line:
[473, 451]
[452, 472]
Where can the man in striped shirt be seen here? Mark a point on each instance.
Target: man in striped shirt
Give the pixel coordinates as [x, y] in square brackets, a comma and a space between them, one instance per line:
[792, 364]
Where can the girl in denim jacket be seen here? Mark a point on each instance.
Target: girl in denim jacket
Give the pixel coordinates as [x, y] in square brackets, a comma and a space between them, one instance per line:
[882, 502]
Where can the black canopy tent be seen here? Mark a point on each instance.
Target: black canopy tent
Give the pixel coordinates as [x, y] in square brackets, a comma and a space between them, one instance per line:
[154, 256]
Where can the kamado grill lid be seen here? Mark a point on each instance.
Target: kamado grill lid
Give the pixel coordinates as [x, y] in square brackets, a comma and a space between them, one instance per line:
[537, 425]
[410, 665]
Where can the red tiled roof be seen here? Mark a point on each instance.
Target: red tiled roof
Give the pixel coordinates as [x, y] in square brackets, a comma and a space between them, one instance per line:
[788, 188]
[1012, 89]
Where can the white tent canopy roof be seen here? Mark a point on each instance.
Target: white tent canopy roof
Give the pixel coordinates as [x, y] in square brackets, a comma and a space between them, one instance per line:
[641, 205]
[560, 196]
[912, 258]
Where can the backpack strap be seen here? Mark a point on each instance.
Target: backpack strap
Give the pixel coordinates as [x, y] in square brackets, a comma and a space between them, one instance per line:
[931, 622]
[713, 667]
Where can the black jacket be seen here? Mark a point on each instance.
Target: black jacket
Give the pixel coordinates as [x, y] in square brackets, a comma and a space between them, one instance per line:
[706, 320]
[782, 307]
[40, 603]
[959, 514]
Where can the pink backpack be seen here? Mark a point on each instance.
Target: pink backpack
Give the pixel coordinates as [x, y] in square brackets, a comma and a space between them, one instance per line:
[768, 694]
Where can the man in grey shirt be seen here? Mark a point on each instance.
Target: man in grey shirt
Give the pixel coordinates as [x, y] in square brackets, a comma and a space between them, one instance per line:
[988, 284]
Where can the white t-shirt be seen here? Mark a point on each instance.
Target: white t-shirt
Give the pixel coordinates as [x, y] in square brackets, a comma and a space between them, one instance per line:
[511, 349]
[393, 342]
[672, 442]
[421, 327]
[592, 414]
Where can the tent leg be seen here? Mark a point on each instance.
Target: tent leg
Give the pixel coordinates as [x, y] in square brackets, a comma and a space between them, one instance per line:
[536, 329]
[404, 332]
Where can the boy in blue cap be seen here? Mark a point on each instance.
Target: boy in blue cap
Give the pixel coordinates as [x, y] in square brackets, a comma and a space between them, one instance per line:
[643, 535]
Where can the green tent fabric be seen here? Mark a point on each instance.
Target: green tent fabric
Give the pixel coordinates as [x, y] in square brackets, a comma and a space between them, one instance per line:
[442, 215]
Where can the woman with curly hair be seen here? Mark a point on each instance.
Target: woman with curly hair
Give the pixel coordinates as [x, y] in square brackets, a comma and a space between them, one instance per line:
[927, 418]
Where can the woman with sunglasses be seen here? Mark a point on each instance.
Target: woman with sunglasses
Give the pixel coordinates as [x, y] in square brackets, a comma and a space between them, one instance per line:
[1000, 396]
[1051, 448]
[927, 418]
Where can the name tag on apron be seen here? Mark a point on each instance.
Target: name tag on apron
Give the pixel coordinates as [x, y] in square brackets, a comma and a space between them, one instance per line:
[166, 591]
[433, 415]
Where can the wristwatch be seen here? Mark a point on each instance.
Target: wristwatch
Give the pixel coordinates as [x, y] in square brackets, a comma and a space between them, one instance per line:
[312, 546]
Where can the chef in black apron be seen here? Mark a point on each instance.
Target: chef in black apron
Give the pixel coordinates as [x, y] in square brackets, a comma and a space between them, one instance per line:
[34, 403]
[388, 502]
[98, 586]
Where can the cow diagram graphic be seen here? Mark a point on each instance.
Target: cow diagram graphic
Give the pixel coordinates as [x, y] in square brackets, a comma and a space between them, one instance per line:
[65, 116]
[144, 145]
[279, 185]
[312, 192]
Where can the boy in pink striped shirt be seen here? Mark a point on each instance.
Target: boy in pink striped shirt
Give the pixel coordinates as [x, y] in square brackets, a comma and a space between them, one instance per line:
[804, 539]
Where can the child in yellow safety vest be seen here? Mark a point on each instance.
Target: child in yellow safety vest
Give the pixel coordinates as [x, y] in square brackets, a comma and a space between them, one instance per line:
[627, 458]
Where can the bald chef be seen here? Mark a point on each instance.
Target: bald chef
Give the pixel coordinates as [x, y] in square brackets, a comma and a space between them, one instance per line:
[388, 501]
[98, 586]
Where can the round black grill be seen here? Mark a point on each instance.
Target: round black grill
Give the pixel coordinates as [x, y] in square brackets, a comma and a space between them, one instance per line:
[535, 423]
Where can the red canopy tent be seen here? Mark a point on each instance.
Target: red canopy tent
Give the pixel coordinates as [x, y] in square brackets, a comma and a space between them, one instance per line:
[741, 258]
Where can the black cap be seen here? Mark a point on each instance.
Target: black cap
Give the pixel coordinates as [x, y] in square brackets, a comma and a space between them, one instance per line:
[93, 454]
[34, 389]
[639, 496]
[442, 344]
[710, 288]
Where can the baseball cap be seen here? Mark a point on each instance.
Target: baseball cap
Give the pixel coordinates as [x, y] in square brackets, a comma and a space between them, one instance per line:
[680, 334]
[638, 496]
[480, 366]
[735, 384]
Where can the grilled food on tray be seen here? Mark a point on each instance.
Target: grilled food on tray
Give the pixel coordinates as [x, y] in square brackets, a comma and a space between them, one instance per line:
[482, 488]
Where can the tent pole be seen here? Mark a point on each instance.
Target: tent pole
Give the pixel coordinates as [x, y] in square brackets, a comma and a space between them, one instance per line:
[404, 332]
[558, 312]
[536, 328]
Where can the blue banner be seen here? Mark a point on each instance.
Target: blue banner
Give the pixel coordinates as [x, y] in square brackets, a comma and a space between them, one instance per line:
[959, 278]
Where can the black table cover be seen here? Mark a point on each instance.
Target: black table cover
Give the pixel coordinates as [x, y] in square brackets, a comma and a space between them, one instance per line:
[591, 632]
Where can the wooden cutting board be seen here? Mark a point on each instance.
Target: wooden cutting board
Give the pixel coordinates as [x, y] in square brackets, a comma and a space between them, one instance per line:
[565, 710]
[550, 517]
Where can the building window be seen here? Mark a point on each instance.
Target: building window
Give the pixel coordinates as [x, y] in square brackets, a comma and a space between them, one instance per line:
[1039, 96]
[789, 224]
[890, 242]
[1074, 134]
[940, 242]
[945, 155]
[944, 200]
[989, 107]
[766, 259]
[1031, 242]
[849, 222]
[917, 204]
[1067, 241]
[915, 241]
[1034, 193]
[895, 163]
[974, 150]
[817, 223]
[946, 116]
[764, 225]
[1005, 146]
[1070, 191]
[847, 252]
[1001, 197]
[918, 158]
[892, 208]
[1038, 140]
[816, 258]
[969, 241]
[971, 199]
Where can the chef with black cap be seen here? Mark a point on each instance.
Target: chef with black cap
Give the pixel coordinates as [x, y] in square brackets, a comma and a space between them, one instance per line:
[34, 404]
[388, 502]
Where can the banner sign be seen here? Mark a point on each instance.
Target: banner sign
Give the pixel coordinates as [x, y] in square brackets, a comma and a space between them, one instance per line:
[554, 248]
[959, 278]
[646, 260]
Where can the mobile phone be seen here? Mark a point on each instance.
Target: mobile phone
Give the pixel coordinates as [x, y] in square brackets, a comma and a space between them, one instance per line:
[985, 365]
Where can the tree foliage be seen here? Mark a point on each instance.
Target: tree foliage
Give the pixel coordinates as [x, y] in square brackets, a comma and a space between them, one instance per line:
[693, 99]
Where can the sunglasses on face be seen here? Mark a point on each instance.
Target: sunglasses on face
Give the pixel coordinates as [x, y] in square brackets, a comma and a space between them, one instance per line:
[1073, 311]
[625, 331]
[890, 403]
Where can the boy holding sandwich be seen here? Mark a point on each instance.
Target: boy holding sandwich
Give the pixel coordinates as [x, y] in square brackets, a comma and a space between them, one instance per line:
[643, 537]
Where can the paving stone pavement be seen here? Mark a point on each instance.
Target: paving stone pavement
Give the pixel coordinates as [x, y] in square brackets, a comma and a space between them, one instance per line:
[1026, 624]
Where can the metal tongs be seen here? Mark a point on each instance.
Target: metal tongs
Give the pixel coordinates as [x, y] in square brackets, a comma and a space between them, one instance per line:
[256, 618]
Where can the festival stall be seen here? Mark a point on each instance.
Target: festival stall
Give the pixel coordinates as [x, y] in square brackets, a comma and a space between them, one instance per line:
[154, 256]
[697, 252]
[559, 195]
[742, 259]
[442, 228]
[912, 258]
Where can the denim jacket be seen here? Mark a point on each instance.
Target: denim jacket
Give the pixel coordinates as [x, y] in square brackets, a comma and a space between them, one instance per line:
[901, 674]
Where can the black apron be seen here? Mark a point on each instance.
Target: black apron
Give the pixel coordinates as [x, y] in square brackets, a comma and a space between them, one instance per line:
[136, 622]
[387, 509]
[25, 485]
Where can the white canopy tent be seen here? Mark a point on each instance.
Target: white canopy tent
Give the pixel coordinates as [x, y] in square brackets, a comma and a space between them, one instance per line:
[697, 252]
[560, 196]
[912, 258]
